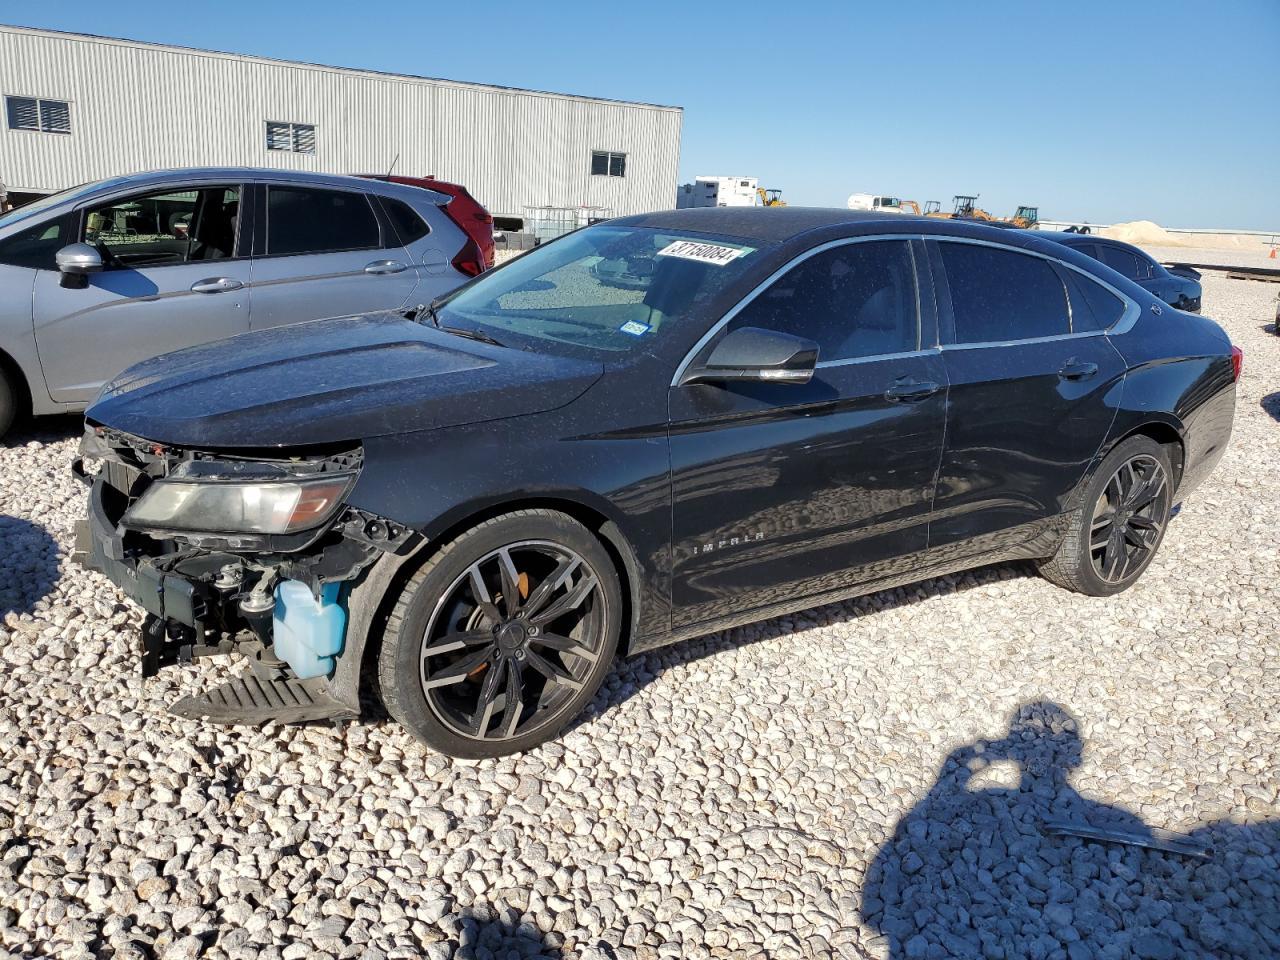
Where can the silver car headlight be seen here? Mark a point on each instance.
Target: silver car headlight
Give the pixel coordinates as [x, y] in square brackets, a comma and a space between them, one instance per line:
[239, 506]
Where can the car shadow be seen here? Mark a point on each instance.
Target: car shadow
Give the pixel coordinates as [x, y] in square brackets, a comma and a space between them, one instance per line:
[31, 565]
[1271, 404]
[632, 674]
[990, 863]
[52, 429]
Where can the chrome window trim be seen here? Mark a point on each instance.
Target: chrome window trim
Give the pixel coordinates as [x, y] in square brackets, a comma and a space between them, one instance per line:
[1127, 319]
[768, 281]
[872, 358]
[983, 345]
[1132, 310]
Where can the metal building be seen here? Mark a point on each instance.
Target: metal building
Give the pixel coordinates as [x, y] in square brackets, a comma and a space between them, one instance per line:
[80, 108]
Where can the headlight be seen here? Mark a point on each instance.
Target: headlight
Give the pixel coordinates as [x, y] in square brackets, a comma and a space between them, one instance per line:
[231, 506]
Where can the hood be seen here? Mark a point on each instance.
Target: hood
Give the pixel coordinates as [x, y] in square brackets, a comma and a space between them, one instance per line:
[349, 378]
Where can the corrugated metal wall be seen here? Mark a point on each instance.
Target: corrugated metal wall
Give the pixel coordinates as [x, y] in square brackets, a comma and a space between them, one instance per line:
[140, 107]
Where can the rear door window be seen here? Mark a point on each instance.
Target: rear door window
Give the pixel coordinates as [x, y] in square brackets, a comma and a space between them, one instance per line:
[855, 300]
[304, 220]
[1121, 261]
[999, 295]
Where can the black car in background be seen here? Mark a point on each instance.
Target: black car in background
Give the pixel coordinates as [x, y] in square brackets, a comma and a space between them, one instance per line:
[650, 429]
[1178, 286]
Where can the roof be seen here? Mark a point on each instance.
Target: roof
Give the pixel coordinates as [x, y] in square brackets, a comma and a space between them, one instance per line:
[767, 224]
[779, 224]
[1061, 236]
[130, 181]
[303, 64]
[231, 173]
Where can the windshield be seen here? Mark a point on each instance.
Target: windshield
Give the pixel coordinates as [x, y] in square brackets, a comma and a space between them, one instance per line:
[605, 289]
[44, 203]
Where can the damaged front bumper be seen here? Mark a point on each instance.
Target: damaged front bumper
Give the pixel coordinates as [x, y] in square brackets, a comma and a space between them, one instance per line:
[213, 594]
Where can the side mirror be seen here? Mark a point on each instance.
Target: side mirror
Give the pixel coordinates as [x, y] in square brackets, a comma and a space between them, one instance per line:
[76, 261]
[79, 258]
[757, 355]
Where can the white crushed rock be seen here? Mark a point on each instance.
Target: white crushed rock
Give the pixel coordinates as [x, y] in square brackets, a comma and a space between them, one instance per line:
[782, 790]
[502, 256]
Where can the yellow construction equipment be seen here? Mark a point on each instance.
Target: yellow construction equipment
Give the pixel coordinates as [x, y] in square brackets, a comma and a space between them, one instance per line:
[1026, 217]
[966, 208]
[770, 198]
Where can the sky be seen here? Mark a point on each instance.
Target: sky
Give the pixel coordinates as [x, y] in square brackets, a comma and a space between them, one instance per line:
[1095, 111]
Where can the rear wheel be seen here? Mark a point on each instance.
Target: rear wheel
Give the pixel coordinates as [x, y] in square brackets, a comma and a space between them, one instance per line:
[1115, 532]
[503, 636]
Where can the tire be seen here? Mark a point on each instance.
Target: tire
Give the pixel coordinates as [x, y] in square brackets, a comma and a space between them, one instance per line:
[558, 639]
[1107, 547]
[8, 403]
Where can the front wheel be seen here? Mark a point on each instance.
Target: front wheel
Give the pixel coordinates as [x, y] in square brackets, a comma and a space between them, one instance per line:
[503, 636]
[1115, 532]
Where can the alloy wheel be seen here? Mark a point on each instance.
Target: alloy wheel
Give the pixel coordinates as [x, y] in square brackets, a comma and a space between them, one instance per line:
[512, 640]
[1129, 519]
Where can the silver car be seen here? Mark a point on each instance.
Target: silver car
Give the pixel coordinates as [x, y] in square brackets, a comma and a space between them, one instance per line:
[100, 276]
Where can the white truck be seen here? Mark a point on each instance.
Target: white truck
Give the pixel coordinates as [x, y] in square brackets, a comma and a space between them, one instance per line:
[867, 201]
[717, 192]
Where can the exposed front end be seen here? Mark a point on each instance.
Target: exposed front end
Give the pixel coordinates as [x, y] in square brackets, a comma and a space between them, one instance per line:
[235, 553]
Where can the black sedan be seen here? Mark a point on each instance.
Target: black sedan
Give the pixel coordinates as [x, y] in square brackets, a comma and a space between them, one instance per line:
[1177, 286]
[650, 429]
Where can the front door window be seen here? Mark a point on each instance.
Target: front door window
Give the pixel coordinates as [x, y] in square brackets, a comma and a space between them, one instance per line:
[170, 227]
[854, 300]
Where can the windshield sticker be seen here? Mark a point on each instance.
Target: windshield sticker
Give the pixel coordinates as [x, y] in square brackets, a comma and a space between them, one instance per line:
[635, 328]
[711, 253]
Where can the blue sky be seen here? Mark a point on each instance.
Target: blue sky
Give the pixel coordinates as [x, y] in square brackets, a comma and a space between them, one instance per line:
[1104, 111]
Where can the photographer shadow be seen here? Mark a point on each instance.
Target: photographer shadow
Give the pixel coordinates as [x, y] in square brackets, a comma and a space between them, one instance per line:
[978, 868]
[32, 566]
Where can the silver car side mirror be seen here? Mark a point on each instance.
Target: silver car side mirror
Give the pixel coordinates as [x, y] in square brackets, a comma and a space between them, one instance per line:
[79, 259]
[75, 262]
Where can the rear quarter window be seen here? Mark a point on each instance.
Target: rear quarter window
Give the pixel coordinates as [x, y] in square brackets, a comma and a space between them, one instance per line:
[407, 222]
[1093, 306]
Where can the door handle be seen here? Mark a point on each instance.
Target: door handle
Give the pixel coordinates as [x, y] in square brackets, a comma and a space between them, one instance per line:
[1075, 370]
[911, 391]
[216, 285]
[379, 267]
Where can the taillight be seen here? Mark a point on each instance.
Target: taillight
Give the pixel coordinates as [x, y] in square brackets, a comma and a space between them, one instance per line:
[1237, 362]
[470, 260]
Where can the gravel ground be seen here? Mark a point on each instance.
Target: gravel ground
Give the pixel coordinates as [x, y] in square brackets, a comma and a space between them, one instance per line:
[1252, 256]
[868, 779]
[502, 256]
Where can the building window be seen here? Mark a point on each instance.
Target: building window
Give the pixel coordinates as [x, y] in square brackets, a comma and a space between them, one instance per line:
[43, 116]
[606, 164]
[291, 137]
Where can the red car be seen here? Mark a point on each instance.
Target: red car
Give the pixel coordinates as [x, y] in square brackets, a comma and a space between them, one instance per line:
[464, 210]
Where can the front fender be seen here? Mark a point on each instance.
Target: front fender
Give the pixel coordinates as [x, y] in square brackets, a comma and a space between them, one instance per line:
[368, 604]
